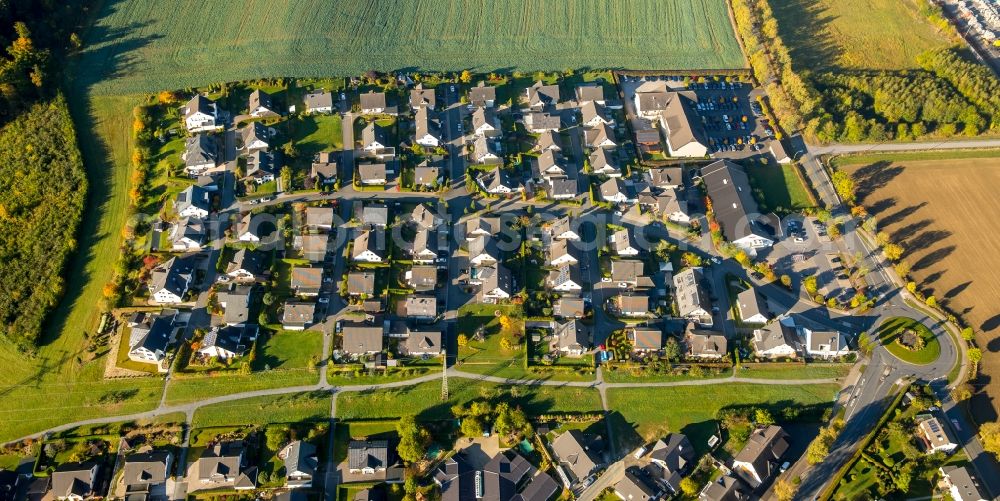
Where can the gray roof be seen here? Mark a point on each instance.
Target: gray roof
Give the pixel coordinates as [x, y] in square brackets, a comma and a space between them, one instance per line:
[650, 102]
[375, 214]
[298, 313]
[724, 489]
[549, 159]
[732, 199]
[623, 240]
[198, 104]
[200, 149]
[481, 93]
[572, 335]
[419, 97]
[306, 279]
[417, 342]
[548, 140]
[423, 277]
[563, 274]
[965, 482]
[318, 99]
[300, 456]
[233, 338]
[483, 116]
[421, 306]
[425, 123]
[498, 279]
[193, 196]
[255, 131]
[189, 227]
[633, 488]
[774, 335]
[371, 172]
[568, 307]
[824, 337]
[261, 99]
[173, 275]
[324, 165]
[262, 163]
[689, 293]
[764, 451]
[497, 480]
[237, 301]
[563, 187]
[149, 468]
[426, 174]
[483, 146]
[598, 135]
[570, 450]
[589, 92]
[646, 338]
[751, 303]
[626, 270]
[612, 188]
[252, 261]
[152, 333]
[706, 343]
[72, 479]
[373, 100]
[496, 178]
[591, 110]
[540, 94]
[368, 454]
[544, 121]
[664, 177]
[423, 216]
[361, 282]
[631, 303]
[675, 454]
[373, 132]
[682, 125]
[361, 338]
[364, 241]
[221, 460]
[319, 216]
[484, 245]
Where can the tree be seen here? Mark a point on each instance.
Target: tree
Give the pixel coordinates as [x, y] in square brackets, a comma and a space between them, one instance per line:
[962, 392]
[286, 178]
[968, 334]
[472, 426]
[931, 301]
[892, 251]
[810, 285]
[784, 490]
[763, 417]
[902, 269]
[413, 439]
[989, 433]
[463, 340]
[786, 281]
[688, 486]
[865, 344]
[975, 355]
[844, 185]
[275, 437]
[466, 76]
[672, 349]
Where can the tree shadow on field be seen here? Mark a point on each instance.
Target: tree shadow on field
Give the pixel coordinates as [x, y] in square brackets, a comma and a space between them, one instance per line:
[926, 239]
[958, 289]
[807, 34]
[880, 206]
[910, 230]
[870, 178]
[901, 214]
[933, 258]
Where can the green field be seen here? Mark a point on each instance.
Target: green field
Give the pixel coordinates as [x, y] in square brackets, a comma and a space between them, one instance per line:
[888, 335]
[311, 406]
[155, 44]
[795, 371]
[781, 189]
[644, 414]
[424, 400]
[855, 34]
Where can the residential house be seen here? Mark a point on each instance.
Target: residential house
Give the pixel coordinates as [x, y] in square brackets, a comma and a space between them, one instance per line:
[169, 281]
[223, 466]
[614, 191]
[648, 140]
[776, 340]
[962, 484]
[496, 284]
[483, 251]
[420, 249]
[318, 101]
[324, 169]
[235, 301]
[367, 457]
[779, 152]
[561, 252]
[486, 150]
[426, 175]
[590, 93]
[422, 98]
[201, 153]
[497, 182]
[422, 278]
[705, 344]
[633, 488]
[263, 166]
[685, 134]
[247, 265]
[420, 307]
[361, 283]
[562, 188]
[631, 306]
[228, 341]
[372, 174]
[424, 218]
[693, 302]
[75, 481]
[255, 136]
[427, 132]
[753, 307]
[188, 235]
[313, 246]
[362, 339]
[481, 227]
[646, 339]
[505, 477]
[820, 343]
[600, 136]
[306, 281]
[571, 338]
[760, 458]
[627, 272]
[145, 475]
[935, 435]
[300, 464]
[541, 95]
[548, 141]
[194, 201]
[375, 216]
[260, 104]
[482, 95]
[669, 204]
[149, 337]
[319, 218]
[297, 315]
[485, 123]
[670, 460]
[735, 208]
[724, 488]
[374, 138]
[574, 456]
[421, 343]
[568, 307]
[368, 247]
[247, 230]
[374, 103]
[565, 278]
[561, 229]
[666, 178]
[594, 115]
[201, 114]
[651, 98]
[551, 165]
[622, 243]
[538, 123]
[605, 163]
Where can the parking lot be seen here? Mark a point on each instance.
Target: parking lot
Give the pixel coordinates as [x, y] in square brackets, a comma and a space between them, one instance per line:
[807, 250]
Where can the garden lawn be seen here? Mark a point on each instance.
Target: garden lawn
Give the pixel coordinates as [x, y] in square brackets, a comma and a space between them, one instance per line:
[795, 371]
[291, 408]
[653, 412]
[781, 187]
[890, 331]
[424, 400]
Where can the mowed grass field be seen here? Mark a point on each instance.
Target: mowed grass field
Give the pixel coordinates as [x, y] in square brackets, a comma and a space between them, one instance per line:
[147, 45]
[855, 34]
[944, 213]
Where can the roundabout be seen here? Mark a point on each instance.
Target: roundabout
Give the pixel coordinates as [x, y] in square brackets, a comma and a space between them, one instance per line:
[909, 340]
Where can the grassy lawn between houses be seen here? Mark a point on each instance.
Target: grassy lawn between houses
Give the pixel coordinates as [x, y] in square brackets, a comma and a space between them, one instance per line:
[889, 335]
[781, 188]
[292, 408]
